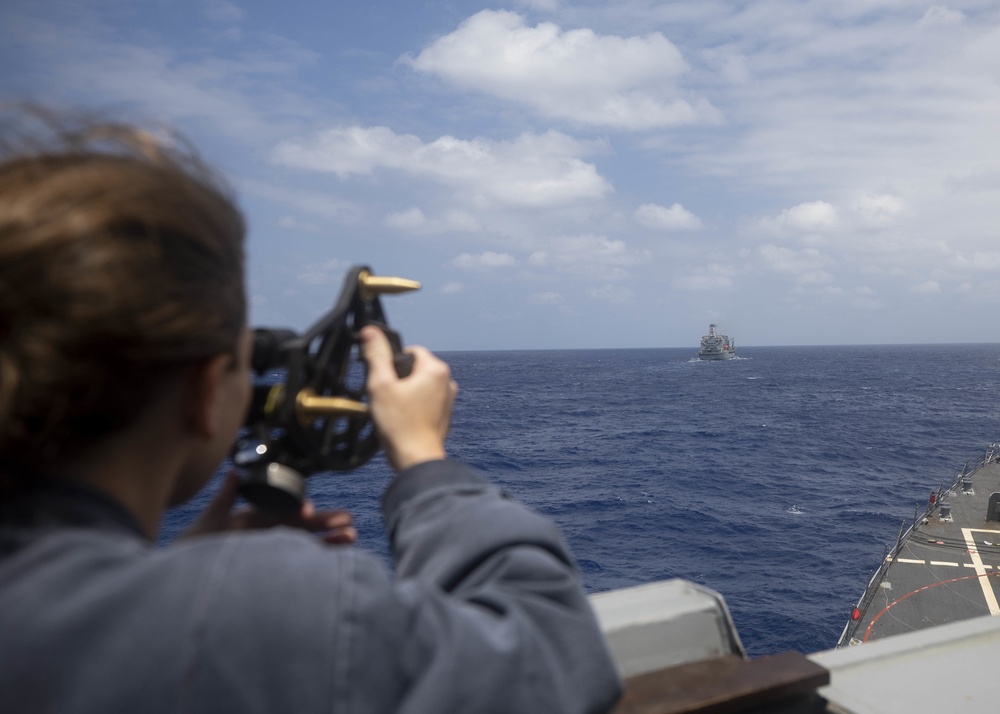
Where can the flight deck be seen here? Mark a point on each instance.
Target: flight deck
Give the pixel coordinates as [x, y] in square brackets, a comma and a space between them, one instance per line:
[943, 569]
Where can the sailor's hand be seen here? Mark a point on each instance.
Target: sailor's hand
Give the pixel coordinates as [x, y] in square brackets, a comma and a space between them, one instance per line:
[412, 414]
[335, 527]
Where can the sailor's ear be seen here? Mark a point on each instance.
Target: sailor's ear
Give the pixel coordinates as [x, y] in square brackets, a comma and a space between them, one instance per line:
[204, 407]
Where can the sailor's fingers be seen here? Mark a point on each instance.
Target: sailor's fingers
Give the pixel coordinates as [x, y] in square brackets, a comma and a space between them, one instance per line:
[335, 526]
[377, 352]
[412, 414]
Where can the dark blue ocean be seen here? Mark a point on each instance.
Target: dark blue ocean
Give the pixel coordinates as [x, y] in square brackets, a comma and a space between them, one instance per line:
[776, 478]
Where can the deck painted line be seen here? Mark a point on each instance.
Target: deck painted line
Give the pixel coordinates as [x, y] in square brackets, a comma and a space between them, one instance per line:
[944, 562]
[871, 625]
[910, 560]
[987, 587]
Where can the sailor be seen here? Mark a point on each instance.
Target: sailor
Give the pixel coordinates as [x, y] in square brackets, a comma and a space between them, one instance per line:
[124, 377]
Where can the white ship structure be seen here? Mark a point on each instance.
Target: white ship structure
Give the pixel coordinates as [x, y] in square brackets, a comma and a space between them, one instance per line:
[715, 345]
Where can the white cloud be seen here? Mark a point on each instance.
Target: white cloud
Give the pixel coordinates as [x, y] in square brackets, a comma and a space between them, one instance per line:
[980, 261]
[930, 287]
[78, 59]
[222, 11]
[879, 210]
[675, 218]
[544, 5]
[411, 219]
[487, 260]
[531, 170]
[981, 179]
[808, 261]
[615, 294]
[313, 202]
[704, 282]
[815, 216]
[576, 75]
[323, 273]
[459, 221]
[729, 62]
[590, 256]
[714, 276]
[547, 298]
[452, 288]
[815, 277]
[941, 16]
[295, 224]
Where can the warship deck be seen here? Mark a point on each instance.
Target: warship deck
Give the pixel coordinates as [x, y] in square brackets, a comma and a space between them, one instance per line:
[943, 569]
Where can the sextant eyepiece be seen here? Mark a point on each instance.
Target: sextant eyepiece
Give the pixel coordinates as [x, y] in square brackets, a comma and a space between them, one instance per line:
[268, 348]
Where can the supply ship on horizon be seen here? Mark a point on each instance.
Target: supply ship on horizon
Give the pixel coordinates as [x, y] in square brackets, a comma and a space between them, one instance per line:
[716, 346]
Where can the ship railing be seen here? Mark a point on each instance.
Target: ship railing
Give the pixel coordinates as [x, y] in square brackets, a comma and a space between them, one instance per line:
[889, 555]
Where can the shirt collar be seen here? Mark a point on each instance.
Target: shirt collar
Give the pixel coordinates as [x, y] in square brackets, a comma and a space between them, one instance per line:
[53, 503]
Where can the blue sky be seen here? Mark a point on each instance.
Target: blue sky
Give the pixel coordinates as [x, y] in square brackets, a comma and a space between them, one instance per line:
[576, 174]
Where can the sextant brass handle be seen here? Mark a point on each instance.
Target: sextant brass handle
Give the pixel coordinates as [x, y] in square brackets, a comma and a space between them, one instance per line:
[309, 406]
[371, 285]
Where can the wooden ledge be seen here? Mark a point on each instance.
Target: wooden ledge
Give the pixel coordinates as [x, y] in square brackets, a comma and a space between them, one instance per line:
[723, 684]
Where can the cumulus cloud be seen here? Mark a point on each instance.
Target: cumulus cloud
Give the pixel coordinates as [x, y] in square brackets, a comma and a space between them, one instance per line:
[316, 203]
[815, 277]
[589, 256]
[879, 210]
[715, 276]
[941, 16]
[979, 180]
[730, 63]
[414, 220]
[547, 298]
[815, 216]
[322, 273]
[675, 218]
[544, 5]
[704, 282]
[531, 170]
[806, 264]
[576, 75]
[295, 224]
[615, 294]
[980, 261]
[483, 261]
[930, 287]
[865, 298]
[222, 11]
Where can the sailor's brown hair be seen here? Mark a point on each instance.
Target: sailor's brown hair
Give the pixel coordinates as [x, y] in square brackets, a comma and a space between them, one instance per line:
[121, 263]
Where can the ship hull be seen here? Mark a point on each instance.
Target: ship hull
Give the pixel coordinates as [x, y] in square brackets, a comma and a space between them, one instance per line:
[717, 355]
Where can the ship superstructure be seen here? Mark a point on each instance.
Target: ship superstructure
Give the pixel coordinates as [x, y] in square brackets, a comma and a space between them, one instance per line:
[716, 346]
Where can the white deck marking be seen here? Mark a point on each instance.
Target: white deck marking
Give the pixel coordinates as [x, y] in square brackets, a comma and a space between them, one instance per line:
[984, 582]
[912, 561]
